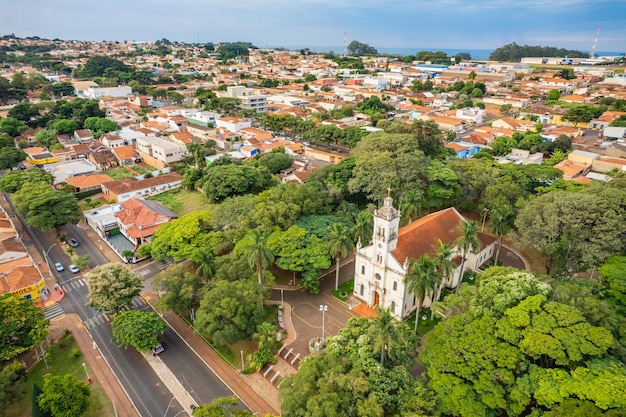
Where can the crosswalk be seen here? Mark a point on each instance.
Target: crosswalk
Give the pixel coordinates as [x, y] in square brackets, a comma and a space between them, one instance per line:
[53, 311]
[138, 303]
[163, 266]
[74, 284]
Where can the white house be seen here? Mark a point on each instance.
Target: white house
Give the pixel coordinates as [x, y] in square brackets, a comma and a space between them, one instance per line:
[99, 92]
[161, 149]
[381, 266]
[232, 123]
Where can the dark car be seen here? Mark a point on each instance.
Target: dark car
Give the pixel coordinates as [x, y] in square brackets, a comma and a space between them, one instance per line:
[73, 243]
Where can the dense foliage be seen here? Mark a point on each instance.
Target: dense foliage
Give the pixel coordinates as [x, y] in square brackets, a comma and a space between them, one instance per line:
[513, 52]
[23, 326]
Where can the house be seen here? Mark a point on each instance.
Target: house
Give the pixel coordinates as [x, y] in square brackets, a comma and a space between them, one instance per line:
[104, 159]
[521, 157]
[572, 169]
[249, 98]
[126, 155]
[113, 141]
[83, 135]
[463, 150]
[381, 267]
[127, 188]
[82, 183]
[139, 219]
[232, 123]
[38, 156]
[160, 152]
[510, 123]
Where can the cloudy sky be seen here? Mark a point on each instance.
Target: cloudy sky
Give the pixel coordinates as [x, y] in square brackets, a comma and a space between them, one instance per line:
[320, 24]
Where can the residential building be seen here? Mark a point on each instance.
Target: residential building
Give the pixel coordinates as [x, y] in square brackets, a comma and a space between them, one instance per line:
[161, 150]
[91, 182]
[99, 92]
[249, 99]
[127, 188]
[139, 219]
[126, 155]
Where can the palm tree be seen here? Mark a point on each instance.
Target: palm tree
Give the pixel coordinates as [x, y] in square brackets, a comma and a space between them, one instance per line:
[411, 204]
[259, 254]
[204, 262]
[443, 267]
[339, 244]
[468, 241]
[384, 329]
[363, 227]
[421, 280]
[502, 221]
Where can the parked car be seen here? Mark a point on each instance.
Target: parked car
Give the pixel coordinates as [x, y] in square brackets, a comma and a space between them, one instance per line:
[59, 267]
[73, 243]
[157, 349]
[74, 268]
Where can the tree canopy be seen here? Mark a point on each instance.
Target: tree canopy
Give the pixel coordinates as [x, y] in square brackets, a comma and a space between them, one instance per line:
[513, 52]
[64, 396]
[23, 326]
[139, 329]
[46, 208]
[358, 48]
[112, 287]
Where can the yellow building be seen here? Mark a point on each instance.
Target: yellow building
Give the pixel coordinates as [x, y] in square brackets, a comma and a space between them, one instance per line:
[557, 119]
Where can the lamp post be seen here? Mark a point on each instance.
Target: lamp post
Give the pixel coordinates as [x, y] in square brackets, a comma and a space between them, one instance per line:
[242, 365]
[45, 258]
[323, 309]
[87, 373]
[282, 300]
[485, 210]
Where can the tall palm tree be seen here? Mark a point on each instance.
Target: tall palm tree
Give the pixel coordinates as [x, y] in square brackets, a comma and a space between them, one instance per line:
[339, 243]
[468, 241]
[502, 221]
[421, 280]
[204, 262]
[259, 255]
[384, 330]
[443, 267]
[411, 204]
[363, 227]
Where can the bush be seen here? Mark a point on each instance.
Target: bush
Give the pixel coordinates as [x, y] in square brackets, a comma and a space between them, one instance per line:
[76, 352]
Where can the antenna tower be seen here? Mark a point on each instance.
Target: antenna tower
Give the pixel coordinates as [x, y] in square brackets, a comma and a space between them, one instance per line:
[595, 43]
[345, 43]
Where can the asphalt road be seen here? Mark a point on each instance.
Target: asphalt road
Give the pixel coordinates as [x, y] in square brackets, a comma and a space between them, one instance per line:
[144, 387]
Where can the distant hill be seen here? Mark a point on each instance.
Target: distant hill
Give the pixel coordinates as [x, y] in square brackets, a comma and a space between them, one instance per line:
[514, 52]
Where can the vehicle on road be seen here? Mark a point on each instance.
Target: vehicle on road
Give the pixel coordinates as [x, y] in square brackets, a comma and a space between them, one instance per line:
[73, 243]
[74, 268]
[157, 349]
[59, 267]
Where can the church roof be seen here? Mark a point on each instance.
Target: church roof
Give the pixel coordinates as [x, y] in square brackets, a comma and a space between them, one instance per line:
[421, 237]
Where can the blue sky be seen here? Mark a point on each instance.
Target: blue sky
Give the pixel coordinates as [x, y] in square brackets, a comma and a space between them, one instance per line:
[471, 24]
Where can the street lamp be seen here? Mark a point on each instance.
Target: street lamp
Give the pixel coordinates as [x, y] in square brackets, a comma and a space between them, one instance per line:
[87, 373]
[323, 309]
[45, 257]
[485, 210]
[282, 300]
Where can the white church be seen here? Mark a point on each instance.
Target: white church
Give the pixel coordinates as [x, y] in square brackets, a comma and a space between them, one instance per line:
[380, 267]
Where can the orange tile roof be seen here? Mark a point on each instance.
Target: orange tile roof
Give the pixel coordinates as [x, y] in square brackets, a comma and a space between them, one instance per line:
[570, 169]
[86, 181]
[125, 152]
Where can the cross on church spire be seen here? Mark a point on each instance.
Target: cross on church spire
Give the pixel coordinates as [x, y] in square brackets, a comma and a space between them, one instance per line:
[388, 191]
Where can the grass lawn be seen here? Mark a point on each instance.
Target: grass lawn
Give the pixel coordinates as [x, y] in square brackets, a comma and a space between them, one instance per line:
[119, 173]
[183, 202]
[425, 324]
[345, 288]
[62, 361]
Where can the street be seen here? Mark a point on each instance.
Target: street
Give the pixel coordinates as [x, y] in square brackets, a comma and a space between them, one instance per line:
[144, 387]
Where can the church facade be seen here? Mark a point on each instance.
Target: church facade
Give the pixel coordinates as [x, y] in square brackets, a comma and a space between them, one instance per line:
[381, 266]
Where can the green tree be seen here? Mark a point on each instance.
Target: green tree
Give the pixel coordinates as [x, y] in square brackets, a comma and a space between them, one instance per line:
[502, 222]
[12, 377]
[46, 208]
[554, 94]
[46, 137]
[139, 329]
[229, 180]
[82, 262]
[23, 326]
[222, 407]
[100, 125]
[65, 126]
[274, 161]
[421, 280]
[358, 48]
[112, 287]
[64, 396]
[265, 337]
[204, 262]
[183, 290]
[444, 267]
[18, 180]
[411, 204]
[363, 227]
[230, 311]
[614, 272]
[259, 255]
[12, 126]
[468, 241]
[10, 157]
[339, 244]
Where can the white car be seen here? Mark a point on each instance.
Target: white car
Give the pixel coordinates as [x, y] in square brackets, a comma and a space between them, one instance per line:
[59, 267]
[74, 268]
